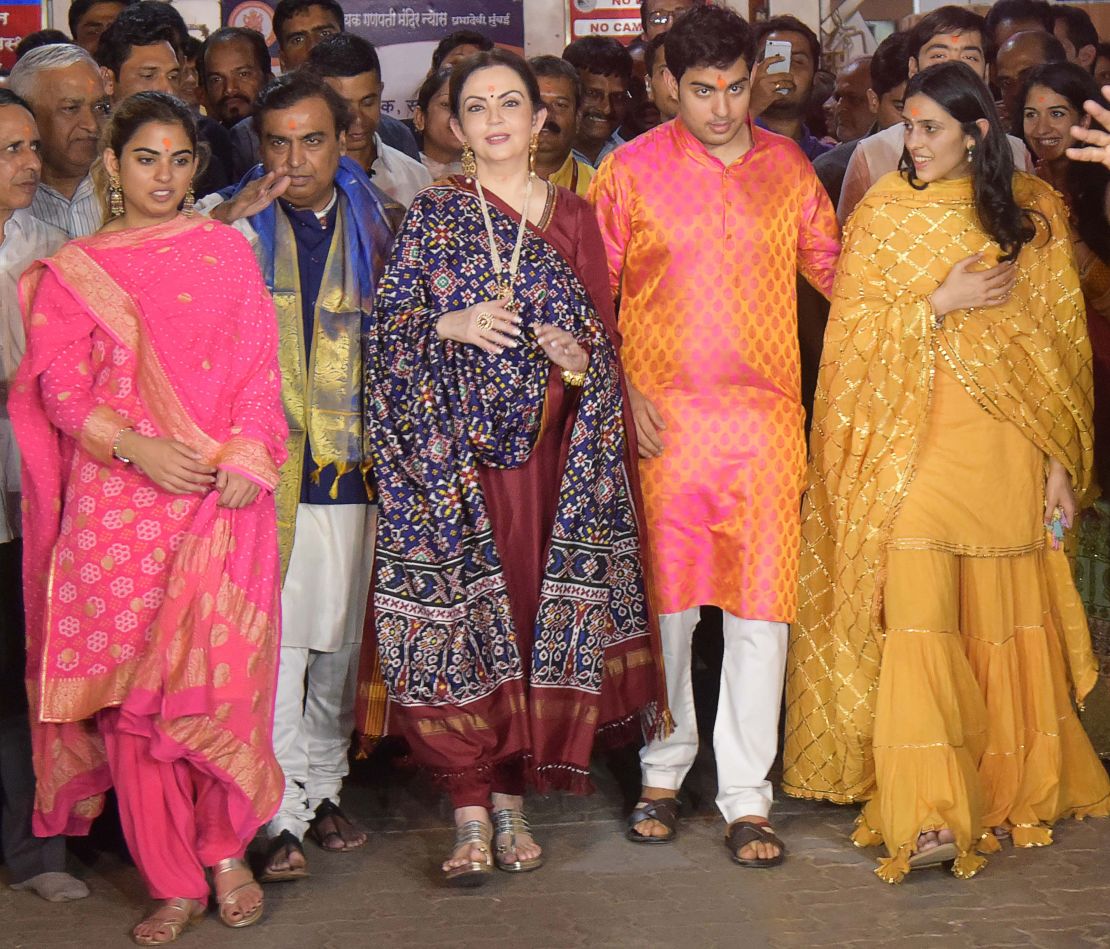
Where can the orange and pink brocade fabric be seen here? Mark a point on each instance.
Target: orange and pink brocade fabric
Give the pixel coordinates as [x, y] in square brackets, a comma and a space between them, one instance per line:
[164, 605]
[704, 259]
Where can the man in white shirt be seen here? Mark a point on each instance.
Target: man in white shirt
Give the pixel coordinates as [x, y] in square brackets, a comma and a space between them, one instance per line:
[948, 33]
[66, 92]
[34, 863]
[350, 65]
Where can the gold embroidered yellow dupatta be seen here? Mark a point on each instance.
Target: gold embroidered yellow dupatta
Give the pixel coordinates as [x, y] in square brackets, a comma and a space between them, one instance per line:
[1028, 361]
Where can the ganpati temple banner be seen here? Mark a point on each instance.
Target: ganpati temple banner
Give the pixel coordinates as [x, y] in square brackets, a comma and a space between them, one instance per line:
[405, 34]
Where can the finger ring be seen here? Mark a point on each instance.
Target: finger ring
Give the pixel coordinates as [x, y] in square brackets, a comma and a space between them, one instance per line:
[484, 321]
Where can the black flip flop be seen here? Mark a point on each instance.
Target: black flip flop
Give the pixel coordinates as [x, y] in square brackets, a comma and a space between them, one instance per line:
[285, 840]
[662, 809]
[740, 833]
[325, 810]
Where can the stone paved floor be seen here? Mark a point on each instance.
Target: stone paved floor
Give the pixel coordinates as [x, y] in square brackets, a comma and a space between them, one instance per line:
[598, 890]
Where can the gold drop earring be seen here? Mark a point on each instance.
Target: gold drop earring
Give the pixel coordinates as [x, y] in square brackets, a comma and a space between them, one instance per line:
[469, 163]
[190, 202]
[115, 196]
[533, 147]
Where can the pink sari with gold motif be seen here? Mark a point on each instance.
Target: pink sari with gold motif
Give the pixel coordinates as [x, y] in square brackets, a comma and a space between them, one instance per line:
[163, 605]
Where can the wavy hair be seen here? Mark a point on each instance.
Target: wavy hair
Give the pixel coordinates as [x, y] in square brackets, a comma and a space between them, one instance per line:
[957, 89]
[1087, 182]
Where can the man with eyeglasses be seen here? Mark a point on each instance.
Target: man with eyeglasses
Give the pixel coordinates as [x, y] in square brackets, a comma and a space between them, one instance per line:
[658, 16]
[605, 68]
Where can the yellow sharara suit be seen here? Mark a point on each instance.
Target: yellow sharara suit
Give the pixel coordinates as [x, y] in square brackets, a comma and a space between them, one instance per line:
[940, 639]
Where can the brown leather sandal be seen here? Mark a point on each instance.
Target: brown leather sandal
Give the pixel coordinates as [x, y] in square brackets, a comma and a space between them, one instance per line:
[662, 809]
[741, 833]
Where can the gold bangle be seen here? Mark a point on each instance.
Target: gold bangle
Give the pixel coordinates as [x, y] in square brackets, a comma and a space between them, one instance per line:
[574, 378]
[115, 444]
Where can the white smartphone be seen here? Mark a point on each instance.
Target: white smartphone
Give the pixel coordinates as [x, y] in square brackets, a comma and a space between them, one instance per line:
[778, 48]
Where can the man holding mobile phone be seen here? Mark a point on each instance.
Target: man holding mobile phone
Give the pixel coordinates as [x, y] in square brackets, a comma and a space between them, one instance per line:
[707, 220]
[789, 55]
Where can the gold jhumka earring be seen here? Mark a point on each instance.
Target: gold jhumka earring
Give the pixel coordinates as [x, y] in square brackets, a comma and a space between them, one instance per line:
[190, 202]
[469, 164]
[533, 147]
[115, 197]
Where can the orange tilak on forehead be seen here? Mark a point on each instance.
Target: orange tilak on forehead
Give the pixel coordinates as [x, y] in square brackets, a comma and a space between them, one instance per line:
[166, 143]
[915, 112]
[291, 124]
[721, 81]
[955, 39]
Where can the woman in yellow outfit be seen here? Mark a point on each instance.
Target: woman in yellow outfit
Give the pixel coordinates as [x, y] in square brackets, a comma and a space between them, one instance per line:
[940, 640]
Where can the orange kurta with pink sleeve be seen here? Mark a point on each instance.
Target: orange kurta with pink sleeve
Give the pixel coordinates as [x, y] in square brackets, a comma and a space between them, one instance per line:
[703, 258]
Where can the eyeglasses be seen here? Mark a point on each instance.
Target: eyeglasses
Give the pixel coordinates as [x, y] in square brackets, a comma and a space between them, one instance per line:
[663, 17]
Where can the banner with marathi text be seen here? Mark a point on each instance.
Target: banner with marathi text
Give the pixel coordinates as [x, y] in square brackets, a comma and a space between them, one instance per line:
[405, 34]
[17, 19]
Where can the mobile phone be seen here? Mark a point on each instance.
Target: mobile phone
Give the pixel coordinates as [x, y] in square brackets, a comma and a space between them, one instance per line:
[778, 48]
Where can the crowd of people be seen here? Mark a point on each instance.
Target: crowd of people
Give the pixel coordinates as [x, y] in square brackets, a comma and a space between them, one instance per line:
[321, 424]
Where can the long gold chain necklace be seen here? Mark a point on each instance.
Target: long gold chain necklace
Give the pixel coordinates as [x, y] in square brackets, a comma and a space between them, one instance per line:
[504, 278]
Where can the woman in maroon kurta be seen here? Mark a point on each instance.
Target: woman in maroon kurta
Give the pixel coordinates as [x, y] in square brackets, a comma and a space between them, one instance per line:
[510, 610]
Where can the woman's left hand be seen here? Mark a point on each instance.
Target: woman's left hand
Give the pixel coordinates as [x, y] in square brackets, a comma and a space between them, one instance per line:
[235, 490]
[1059, 494]
[562, 348]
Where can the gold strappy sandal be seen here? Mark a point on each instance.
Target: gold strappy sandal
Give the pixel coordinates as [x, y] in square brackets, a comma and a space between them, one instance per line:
[229, 902]
[475, 872]
[509, 823]
[173, 916]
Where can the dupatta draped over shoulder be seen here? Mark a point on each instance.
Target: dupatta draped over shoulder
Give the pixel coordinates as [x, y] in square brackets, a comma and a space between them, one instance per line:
[162, 605]
[510, 608]
[1027, 362]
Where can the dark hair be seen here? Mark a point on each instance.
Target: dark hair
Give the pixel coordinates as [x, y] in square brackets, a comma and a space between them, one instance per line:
[554, 67]
[79, 8]
[142, 24]
[290, 8]
[7, 97]
[890, 64]
[652, 48]
[432, 83]
[259, 50]
[943, 21]
[644, 13]
[452, 41]
[131, 115]
[1077, 24]
[707, 36]
[343, 56]
[191, 48]
[1002, 10]
[39, 38]
[494, 57]
[141, 109]
[957, 89]
[286, 91]
[779, 24]
[601, 55]
[1087, 182]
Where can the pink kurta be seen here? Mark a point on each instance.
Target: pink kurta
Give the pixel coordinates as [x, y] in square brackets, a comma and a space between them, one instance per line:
[704, 260]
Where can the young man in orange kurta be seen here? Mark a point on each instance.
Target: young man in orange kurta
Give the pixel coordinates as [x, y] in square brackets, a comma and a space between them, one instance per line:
[707, 220]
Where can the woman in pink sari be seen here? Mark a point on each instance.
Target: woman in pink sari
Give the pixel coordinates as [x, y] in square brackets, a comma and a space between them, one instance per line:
[148, 413]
